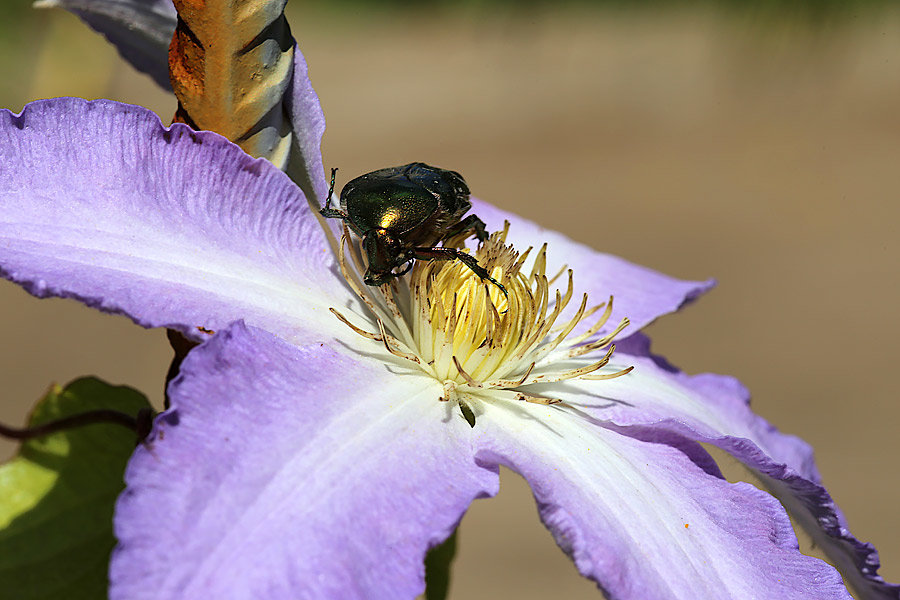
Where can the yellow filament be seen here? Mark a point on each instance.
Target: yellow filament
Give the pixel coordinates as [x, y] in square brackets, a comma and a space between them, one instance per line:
[469, 335]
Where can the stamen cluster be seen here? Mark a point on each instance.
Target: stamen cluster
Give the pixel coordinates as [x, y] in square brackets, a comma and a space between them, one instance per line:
[480, 341]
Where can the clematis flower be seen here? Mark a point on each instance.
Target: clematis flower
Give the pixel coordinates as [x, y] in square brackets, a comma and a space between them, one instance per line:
[315, 446]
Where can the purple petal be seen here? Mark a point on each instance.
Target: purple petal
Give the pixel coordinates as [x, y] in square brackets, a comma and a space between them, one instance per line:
[643, 520]
[285, 472]
[640, 294]
[100, 202]
[715, 409]
[308, 120]
[139, 29]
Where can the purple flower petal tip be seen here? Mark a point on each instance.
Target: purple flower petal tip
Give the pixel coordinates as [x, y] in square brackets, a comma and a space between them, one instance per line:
[644, 518]
[172, 227]
[785, 463]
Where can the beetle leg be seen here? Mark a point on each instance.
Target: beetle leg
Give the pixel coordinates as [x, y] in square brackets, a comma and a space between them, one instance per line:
[327, 211]
[469, 225]
[439, 253]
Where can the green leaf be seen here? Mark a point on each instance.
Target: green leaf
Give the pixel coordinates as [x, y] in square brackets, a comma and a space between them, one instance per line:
[437, 569]
[57, 497]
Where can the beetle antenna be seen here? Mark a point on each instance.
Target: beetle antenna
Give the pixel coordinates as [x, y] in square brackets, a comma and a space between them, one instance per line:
[331, 188]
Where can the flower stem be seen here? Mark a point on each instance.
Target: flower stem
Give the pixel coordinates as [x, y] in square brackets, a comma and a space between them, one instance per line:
[140, 424]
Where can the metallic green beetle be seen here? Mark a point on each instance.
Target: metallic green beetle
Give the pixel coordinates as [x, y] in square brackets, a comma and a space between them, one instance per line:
[402, 213]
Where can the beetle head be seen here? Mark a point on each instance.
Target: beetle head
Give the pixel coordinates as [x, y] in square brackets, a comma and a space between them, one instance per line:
[385, 253]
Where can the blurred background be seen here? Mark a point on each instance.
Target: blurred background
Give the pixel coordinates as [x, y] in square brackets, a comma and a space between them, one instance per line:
[756, 142]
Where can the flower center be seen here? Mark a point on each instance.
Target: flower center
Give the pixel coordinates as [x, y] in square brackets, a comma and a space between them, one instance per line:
[477, 341]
